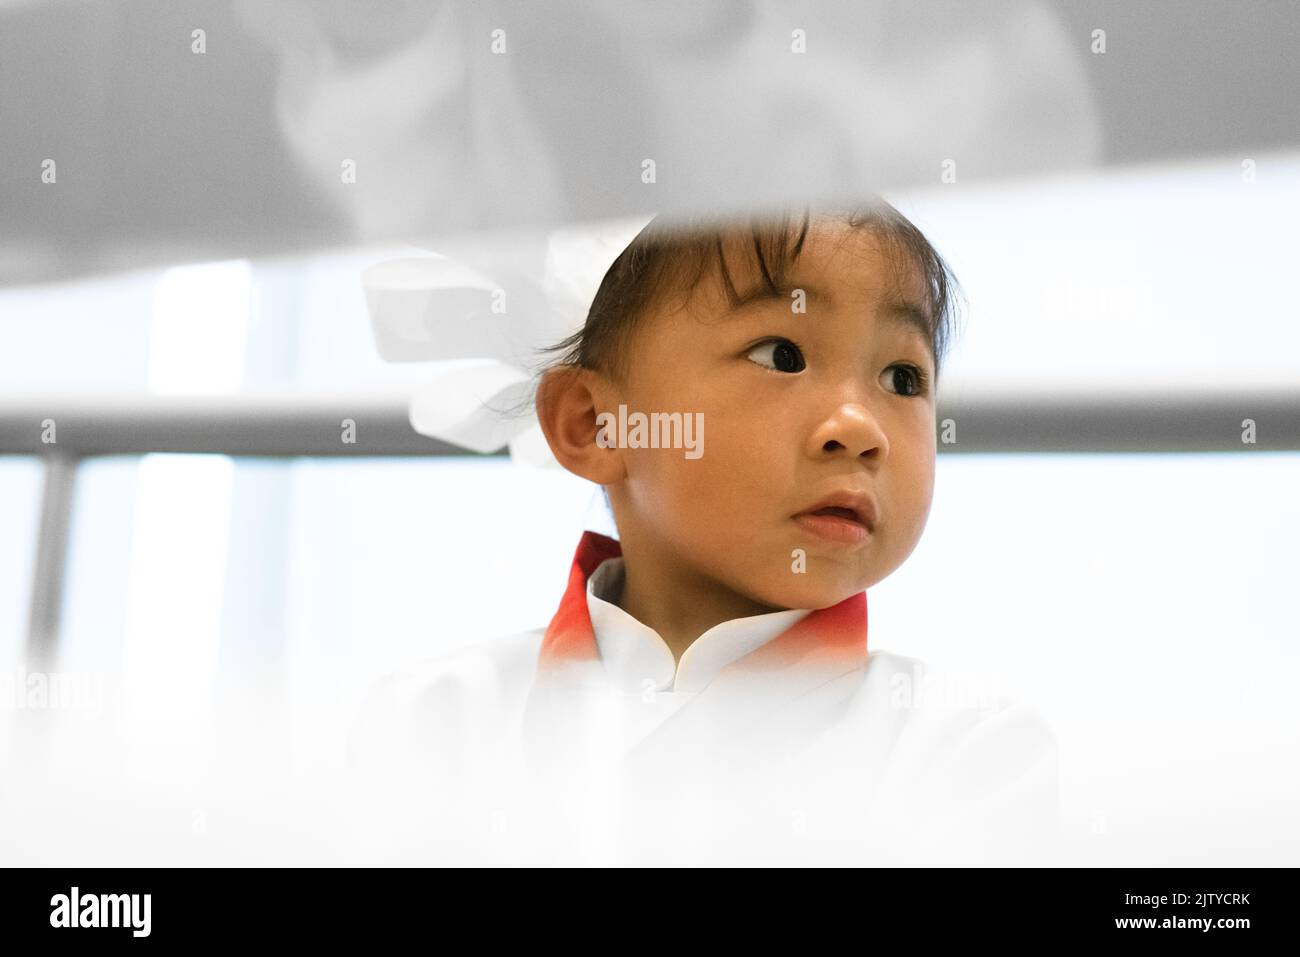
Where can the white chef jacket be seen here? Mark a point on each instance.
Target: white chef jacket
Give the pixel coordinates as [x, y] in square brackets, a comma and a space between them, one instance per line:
[675, 764]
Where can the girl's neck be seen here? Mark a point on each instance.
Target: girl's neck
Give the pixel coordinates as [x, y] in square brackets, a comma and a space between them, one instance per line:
[676, 600]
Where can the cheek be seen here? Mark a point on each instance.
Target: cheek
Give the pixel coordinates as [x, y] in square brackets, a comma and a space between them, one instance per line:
[712, 485]
[720, 489]
[737, 471]
[913, 493]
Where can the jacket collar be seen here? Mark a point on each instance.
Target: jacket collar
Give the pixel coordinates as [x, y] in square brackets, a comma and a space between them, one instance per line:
[834, 637]
[787, 684]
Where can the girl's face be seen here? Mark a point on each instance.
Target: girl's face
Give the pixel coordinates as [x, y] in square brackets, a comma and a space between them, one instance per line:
[796, 407]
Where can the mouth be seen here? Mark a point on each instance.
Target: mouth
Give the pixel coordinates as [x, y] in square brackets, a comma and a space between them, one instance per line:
[848, 520]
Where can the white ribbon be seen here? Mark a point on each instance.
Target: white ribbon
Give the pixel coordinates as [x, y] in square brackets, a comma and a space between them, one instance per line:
[497, 299]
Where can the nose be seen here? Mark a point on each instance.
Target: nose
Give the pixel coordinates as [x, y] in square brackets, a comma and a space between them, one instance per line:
[850, 430]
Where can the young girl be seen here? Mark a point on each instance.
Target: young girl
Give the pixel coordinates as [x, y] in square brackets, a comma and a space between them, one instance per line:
[758, 402]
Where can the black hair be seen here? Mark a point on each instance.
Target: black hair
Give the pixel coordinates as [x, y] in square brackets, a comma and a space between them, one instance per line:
[672, 255]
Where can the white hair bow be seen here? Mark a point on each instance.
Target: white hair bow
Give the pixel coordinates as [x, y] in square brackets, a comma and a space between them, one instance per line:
[480, 311]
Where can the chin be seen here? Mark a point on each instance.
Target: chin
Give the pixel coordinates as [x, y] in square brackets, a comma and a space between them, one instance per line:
[812, 594]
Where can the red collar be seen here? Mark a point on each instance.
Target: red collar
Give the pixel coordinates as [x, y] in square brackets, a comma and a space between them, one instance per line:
[834, 635]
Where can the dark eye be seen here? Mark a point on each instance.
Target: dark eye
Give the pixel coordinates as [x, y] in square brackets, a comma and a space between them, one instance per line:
[907, 380]
[781, 355]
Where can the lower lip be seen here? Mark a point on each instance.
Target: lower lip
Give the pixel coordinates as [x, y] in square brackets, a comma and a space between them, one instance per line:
[833, 528]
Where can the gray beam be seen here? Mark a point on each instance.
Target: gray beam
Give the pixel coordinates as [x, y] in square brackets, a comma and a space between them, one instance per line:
[303, 425]
[281, 426]
[1148, 421]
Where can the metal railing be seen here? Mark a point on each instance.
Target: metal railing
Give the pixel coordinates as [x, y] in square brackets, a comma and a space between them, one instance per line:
[63, 431]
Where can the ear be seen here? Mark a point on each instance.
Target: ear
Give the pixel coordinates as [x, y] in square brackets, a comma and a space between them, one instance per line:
[567, 409]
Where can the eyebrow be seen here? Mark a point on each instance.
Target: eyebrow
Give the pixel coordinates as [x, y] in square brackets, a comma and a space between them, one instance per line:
[898, 312]
[909, 314]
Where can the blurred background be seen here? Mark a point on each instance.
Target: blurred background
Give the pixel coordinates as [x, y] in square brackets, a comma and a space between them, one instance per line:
[190, 193]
